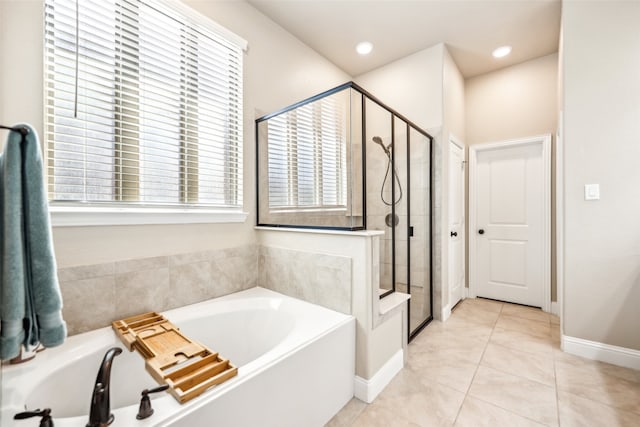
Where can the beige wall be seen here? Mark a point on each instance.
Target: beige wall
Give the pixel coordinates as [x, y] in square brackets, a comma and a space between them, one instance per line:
[516, 102]
[513, 102]
[21, 42]
[453, 99]
[601, 91]
[412, 86]
[278, 70]
[453, 107]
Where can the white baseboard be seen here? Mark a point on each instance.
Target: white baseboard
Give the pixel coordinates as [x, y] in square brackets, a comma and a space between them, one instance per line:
[368, 390]
[555, 308]
[446, 313]
[621, 356]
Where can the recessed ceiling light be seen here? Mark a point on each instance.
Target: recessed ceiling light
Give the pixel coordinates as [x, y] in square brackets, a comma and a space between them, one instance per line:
[364, 48]
[501, 52]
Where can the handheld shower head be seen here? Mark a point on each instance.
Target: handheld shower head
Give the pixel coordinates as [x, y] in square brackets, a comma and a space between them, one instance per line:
[378, 141]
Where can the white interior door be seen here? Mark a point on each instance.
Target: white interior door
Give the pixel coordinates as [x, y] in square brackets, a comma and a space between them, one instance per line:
[456, 223]
[511, 224]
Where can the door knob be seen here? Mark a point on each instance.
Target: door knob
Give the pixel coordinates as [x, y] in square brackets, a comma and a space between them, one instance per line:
[481, 231]
[454, 234]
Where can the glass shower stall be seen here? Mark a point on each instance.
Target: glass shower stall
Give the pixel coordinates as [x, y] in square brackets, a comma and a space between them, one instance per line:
[343, 160]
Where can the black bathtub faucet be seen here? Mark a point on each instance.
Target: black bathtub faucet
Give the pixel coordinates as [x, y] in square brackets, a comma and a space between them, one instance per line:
[100, 414]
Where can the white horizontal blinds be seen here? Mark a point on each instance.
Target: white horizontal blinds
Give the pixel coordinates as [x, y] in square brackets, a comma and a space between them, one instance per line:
[279, 160]
[307, 156]
[153, 43]
[159, 106]
[81, 132]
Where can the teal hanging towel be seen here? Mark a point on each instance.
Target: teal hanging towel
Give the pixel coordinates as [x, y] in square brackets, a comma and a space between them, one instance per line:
[30, 299]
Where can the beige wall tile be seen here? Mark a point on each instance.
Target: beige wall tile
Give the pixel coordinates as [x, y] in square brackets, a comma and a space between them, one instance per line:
[190, 283]
[69, 274]
[141, 291]
[88, 304]
[232, 274]
[142, 264]
[181, 259]
[317, 278]
[157, 283]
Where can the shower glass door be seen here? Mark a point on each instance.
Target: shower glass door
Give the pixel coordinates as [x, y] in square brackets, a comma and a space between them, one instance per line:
[399, 203]
[419, 190]
[380, 209]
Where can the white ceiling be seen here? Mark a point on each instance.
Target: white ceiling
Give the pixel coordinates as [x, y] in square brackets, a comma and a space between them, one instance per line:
[397, 28]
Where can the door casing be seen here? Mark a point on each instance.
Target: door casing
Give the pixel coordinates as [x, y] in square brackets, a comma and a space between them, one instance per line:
[453, 141]
[545, 142]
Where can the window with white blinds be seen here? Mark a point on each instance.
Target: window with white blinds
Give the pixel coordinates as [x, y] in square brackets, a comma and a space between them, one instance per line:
[307, 160]
[143, 106]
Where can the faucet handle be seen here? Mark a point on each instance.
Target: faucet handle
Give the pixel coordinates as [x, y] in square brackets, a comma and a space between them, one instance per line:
[158, 389]
[145, 410]
[46, 420]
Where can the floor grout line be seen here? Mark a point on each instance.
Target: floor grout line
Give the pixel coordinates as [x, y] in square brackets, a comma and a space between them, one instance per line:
[478, 364]
[466, 324]
[555, 378]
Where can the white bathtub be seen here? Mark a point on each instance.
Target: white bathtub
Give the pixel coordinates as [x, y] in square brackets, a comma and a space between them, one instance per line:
[296, 368]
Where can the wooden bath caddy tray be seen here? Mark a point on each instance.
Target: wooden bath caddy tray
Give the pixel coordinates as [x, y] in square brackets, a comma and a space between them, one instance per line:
[172, 358]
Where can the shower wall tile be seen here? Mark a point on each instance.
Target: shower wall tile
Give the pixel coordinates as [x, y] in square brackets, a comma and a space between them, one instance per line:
[439, 287]
[419, 254]
[418, 279]
[401, 273]
[96, 295]
[375, 222]
[419, 175]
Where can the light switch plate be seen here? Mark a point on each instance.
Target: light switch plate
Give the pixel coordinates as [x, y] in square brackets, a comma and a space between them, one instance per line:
[592, 191]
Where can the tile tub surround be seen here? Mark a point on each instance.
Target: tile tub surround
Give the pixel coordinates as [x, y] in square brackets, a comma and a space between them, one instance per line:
[497, 364]
[316, 278]
[96, 295]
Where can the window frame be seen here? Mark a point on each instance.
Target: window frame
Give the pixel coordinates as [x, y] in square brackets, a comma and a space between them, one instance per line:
[96, 213]
[293, 190]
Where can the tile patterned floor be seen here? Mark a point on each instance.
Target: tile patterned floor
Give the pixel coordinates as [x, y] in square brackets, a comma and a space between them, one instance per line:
[496, 364]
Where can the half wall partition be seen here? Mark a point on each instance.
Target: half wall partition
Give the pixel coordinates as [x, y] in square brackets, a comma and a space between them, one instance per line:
[342, 160]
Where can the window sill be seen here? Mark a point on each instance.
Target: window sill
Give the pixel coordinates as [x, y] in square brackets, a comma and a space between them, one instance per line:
[65, 216]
